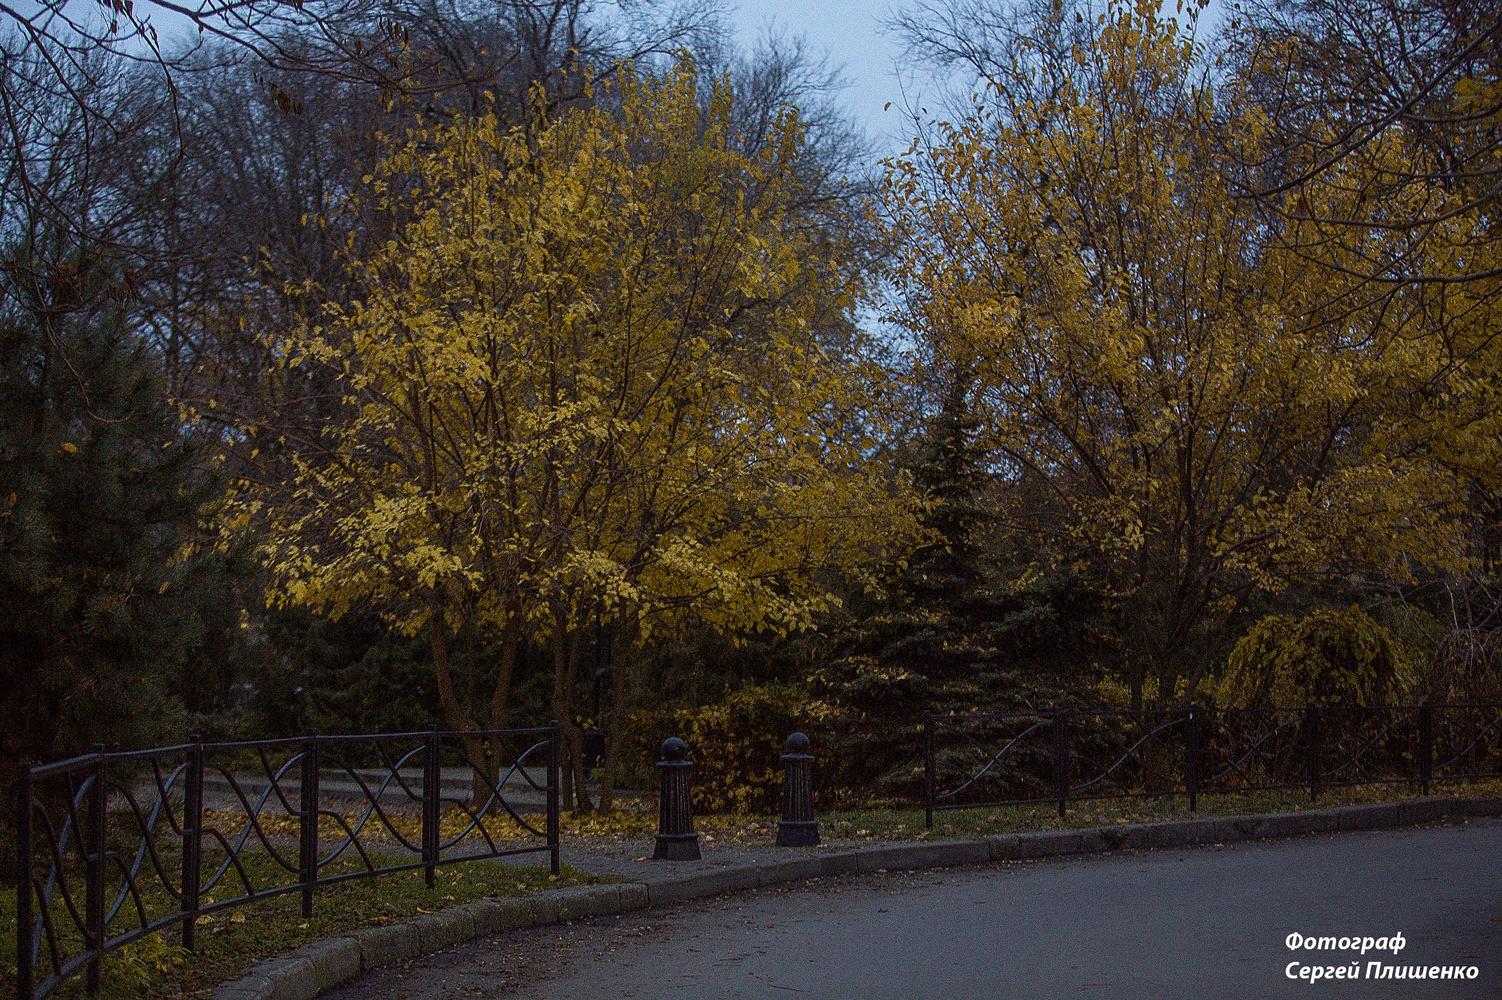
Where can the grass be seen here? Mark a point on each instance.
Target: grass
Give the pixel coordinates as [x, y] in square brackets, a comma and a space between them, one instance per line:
[905, 823]
[619, 826]
[230, 941]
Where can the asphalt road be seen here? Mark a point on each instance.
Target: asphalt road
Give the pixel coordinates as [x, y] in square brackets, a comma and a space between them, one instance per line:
[1198, 923]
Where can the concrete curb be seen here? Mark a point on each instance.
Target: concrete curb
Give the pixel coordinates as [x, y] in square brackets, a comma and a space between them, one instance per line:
[323, 965]
[1232, 829]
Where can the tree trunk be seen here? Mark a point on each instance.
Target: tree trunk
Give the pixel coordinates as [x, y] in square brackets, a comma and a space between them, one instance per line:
[487, 753]
[483, 756]
[486, 761]
[625, 654]
[565, 673]
[510, 641]
[455, 714]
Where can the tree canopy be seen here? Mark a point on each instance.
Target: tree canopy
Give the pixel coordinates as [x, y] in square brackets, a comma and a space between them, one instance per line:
[1162, 406]
[601, 365]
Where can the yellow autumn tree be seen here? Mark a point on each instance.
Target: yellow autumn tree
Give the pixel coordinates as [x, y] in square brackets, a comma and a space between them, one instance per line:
[1170, 416]
[596, 369]
[1390, 249]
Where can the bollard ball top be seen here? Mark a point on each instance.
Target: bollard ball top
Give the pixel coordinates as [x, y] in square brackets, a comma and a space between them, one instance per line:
[674, 749]
[798, 743]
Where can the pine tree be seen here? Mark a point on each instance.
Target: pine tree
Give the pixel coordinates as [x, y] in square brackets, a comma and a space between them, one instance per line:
[951, 634]
[100, 491]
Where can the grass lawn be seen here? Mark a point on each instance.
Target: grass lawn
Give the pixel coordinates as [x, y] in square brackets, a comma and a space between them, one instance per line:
[230, 941]
[906, 823]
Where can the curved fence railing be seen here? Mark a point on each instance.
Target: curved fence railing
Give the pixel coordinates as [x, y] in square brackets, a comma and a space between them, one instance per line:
[982, 761]
[112, 847]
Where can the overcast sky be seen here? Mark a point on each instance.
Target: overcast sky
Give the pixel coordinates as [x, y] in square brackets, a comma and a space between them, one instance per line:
[850, 32]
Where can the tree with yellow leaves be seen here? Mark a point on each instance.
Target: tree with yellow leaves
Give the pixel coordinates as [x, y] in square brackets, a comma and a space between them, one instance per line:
[594, 370]
[1168, 414]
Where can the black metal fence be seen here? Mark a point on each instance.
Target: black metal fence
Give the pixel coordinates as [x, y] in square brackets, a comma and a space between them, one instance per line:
[112, 847]
[982, 761]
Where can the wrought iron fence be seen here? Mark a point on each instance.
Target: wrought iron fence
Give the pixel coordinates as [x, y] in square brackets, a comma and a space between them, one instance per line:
[988, 760]
[112, 847]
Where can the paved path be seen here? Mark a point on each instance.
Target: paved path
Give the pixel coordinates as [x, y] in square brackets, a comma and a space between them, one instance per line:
[631, 857]
[1199, 923]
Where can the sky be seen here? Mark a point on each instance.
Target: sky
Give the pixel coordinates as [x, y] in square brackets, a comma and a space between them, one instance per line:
[850, 33]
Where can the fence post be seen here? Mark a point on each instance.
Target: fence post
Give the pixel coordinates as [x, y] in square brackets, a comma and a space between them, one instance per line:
[676, 839]
[798, 827]
[94, 848]
[1192, 759]
[24, 918]
[928, 771]
[555, 744]
[432, 806]
[1311, 747]
[1061, 758]
[1426, 745]
[308, 816]
[192, 845]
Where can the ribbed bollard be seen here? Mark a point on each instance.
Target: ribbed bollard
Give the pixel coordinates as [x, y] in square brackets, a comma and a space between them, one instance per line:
[676, 839]
[798, 828]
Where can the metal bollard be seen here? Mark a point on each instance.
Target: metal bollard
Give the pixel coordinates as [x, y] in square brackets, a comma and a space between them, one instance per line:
[798, 827]
[676, 839]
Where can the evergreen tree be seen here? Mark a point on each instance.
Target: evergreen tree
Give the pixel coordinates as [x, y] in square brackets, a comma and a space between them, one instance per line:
[102, 603]
[951, 633]
[351, 675]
